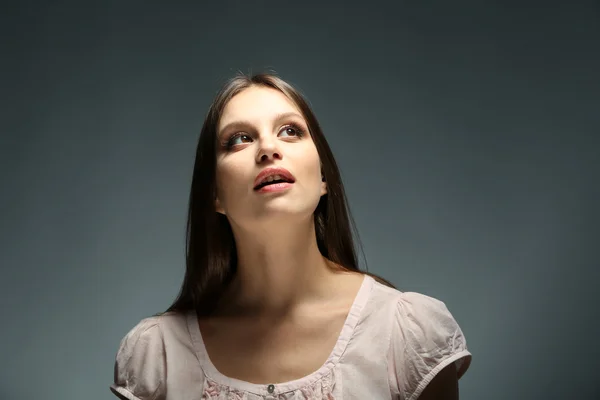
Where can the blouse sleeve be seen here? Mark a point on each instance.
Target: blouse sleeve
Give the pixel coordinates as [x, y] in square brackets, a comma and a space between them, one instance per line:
[139, 371]
[425, 339]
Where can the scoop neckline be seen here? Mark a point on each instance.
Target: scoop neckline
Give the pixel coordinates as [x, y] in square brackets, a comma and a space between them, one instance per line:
[344, 337]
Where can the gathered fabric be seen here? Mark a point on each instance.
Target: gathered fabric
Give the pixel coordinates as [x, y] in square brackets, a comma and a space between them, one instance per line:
[391, 346]
[319, 390]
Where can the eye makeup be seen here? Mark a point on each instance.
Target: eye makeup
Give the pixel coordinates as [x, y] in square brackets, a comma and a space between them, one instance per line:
[228, 142]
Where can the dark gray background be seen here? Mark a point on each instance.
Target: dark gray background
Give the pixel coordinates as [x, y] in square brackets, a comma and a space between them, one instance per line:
[466, 132]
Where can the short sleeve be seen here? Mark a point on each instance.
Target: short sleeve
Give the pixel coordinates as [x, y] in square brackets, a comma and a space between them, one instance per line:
[425, 339]
[139, 371]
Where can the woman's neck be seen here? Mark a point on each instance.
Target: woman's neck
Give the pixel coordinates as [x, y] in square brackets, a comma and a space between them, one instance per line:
[279, 269]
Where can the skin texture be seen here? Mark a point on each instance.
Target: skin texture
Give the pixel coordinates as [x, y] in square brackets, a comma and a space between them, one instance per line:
[280, 267]
[281, 272]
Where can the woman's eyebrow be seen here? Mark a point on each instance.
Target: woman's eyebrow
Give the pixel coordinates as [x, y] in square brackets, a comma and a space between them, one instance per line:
[276, 118]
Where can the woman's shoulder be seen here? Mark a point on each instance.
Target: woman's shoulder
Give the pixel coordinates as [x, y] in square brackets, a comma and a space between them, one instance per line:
[140, 362]
[143, 329]
[138, 368]
[408, 303]
[149, 335]
[424, 339]
[153, 324]
[424, 331]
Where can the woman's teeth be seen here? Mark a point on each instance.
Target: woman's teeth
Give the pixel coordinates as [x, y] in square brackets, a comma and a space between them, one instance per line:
[273, 178]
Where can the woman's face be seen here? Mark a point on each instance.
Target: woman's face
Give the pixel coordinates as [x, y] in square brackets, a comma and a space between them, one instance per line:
[261, 128]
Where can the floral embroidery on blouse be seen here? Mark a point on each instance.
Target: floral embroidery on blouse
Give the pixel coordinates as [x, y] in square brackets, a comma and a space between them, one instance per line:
[319, 390]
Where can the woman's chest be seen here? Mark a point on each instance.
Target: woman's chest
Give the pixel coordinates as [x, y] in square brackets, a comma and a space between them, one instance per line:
[263, 354]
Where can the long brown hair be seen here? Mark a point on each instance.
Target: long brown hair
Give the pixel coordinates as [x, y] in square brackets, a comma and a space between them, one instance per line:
[211, 257]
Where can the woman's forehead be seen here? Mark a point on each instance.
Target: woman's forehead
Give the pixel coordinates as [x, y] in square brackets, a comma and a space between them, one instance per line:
[256, 104]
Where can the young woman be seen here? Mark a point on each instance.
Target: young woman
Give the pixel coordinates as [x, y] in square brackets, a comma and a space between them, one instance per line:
[273, 304]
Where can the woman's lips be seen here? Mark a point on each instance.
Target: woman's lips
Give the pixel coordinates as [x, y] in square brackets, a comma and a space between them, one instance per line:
[275, 187]
[272, 171]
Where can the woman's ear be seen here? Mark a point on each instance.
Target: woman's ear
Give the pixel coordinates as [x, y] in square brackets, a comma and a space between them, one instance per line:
[218, 207]
[323, 186]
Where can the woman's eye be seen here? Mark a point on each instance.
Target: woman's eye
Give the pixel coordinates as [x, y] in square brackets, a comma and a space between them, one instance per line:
[234, 140]
[292, 131]
[241, 138]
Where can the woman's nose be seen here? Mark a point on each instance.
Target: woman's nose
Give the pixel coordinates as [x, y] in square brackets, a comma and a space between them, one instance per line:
[268, 150]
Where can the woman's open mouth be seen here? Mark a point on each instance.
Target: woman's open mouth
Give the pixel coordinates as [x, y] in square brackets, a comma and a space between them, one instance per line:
[275, 186]
[273, 180]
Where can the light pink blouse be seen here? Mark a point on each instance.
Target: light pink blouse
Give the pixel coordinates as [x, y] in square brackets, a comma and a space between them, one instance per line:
[392, 345]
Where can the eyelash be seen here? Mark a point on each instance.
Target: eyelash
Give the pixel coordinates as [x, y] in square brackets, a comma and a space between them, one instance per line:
[228, 143]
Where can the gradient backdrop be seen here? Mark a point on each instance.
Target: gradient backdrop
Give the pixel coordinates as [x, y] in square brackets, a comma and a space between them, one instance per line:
[467, 134]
